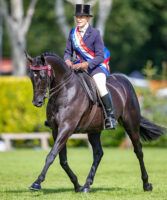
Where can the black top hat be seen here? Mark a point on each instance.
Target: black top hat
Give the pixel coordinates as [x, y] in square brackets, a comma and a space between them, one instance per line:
[82, 10]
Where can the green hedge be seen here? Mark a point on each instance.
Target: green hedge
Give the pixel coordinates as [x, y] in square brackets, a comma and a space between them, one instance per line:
[17, 113]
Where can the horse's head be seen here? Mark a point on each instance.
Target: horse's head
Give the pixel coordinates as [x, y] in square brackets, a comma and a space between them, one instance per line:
[39, 75]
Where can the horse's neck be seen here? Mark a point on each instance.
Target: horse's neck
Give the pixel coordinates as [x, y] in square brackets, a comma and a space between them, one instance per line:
[60, 69]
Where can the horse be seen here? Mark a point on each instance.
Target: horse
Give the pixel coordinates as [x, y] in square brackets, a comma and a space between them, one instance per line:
[69, 110]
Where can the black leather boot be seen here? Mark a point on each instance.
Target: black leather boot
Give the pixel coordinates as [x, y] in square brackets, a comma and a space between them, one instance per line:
[110, 122]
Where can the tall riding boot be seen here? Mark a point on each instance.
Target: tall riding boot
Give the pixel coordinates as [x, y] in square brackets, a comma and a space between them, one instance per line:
[110, 122]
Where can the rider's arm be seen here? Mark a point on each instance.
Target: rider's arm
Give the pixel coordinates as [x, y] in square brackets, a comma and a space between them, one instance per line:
[68, 53]
[99, 51]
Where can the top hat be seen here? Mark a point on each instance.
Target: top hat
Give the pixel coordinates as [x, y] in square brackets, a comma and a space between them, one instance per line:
[82, 10]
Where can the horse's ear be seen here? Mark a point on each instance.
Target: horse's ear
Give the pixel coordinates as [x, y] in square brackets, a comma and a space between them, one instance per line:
[43, 59]
[29, 58]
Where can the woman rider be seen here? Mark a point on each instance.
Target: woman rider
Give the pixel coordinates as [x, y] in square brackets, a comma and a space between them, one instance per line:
[86, 44]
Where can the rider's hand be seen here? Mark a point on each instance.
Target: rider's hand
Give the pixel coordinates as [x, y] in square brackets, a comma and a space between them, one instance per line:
[69, 63]
[83, 65]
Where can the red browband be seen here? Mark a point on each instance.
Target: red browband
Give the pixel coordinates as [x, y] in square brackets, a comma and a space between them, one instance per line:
[45, 67]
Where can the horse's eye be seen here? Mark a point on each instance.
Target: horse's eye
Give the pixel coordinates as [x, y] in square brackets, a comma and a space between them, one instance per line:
[35, 74]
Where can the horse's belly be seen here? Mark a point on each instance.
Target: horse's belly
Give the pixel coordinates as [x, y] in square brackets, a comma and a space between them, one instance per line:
[91, 123]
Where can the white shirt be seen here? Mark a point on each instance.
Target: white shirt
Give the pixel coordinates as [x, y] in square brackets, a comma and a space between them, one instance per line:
[83, 30]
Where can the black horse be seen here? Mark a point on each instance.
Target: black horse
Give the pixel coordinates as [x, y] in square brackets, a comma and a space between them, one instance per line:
[70, 110]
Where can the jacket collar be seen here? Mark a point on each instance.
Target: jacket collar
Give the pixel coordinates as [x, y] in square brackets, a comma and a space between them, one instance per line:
[87, 33]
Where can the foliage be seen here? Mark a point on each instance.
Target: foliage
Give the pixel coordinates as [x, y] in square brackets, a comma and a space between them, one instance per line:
[17, 112]
[117, 177]
[154, 109]
[135, 32]
[164, 71]
[113, 138]
[149, 70]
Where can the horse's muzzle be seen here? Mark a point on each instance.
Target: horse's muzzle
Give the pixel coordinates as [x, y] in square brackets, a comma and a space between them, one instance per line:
[39, 102]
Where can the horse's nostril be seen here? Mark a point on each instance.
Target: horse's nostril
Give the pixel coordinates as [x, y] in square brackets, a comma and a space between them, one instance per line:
[40, 102]
[37, 102]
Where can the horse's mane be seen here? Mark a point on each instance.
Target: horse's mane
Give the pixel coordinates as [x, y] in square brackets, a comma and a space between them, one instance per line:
[58, 58]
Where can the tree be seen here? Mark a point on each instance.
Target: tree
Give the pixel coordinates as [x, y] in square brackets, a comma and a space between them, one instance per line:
[135, 31]
[17, 26]
[1, 34]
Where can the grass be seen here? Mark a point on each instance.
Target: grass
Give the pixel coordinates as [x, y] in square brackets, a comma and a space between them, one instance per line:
[118, 177]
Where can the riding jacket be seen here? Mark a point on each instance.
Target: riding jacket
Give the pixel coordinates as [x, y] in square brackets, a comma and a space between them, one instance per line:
[94, 42]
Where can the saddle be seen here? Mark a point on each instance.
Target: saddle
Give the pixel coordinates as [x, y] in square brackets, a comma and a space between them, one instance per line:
[89, 86]
[92, 92]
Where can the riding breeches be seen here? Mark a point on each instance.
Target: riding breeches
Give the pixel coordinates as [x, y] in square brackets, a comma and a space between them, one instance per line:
[100, 80]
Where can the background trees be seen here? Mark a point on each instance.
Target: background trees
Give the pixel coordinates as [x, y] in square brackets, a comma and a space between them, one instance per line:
[135, 31]
[17, 24]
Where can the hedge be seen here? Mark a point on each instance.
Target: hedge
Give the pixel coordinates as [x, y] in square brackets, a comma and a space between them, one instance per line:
[17, 113]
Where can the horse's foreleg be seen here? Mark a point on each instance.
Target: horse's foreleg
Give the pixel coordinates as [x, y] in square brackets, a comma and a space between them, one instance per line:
[58, 145]
[139, 153]
[65, 166]
[95, 142]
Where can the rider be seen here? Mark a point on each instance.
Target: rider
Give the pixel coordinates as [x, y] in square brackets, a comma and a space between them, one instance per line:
[85, 50]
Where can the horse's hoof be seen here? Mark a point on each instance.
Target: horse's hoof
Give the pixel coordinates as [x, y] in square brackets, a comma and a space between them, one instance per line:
[78, 188]
[148, 187]
[35, 187]
[85, 189]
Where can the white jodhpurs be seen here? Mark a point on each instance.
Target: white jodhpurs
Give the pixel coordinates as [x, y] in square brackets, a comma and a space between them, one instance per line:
[100, 80]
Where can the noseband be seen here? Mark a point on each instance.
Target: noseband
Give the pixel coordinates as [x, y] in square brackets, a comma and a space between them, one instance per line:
[39, 68]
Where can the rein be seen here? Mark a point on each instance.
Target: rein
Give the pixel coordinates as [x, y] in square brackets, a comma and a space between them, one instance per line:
[58, 87]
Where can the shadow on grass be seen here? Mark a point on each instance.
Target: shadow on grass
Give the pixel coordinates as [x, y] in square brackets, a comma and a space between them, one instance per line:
[63, 190]
[107, 189]
[93, 190]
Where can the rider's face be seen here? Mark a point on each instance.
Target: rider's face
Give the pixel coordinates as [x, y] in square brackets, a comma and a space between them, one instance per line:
[81, 21]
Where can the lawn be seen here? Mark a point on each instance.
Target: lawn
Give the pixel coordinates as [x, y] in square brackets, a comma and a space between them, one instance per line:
[118, 176]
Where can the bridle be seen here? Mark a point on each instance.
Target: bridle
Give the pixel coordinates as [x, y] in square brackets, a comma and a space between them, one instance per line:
[49, 73]
[48, 68]
[39, 68]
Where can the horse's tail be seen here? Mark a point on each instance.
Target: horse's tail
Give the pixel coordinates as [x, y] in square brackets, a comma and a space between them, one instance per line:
[150, 131]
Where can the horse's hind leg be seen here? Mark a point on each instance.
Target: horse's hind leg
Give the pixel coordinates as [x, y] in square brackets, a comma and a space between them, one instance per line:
[95, 142]
[139, 153]
[65, 166]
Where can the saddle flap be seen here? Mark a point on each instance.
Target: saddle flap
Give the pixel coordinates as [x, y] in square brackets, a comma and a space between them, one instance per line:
[89, 86]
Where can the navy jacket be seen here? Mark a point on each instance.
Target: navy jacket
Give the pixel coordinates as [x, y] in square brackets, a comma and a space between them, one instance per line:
[93, 41]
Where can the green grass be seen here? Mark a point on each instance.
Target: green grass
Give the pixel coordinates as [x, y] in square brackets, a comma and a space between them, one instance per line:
[118, 176]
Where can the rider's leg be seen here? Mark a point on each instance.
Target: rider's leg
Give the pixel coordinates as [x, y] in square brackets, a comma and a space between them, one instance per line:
[100, 80]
